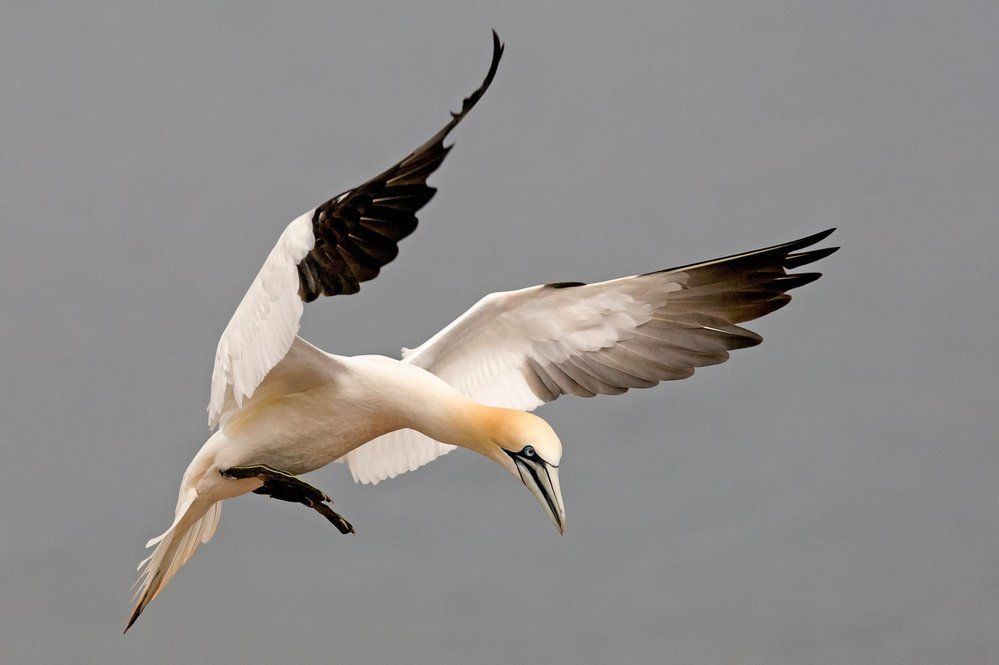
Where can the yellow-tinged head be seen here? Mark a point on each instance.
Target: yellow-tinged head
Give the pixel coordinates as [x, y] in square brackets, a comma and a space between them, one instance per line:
[527, 447]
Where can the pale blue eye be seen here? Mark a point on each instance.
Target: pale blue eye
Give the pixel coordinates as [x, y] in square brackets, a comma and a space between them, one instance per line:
[528, 451]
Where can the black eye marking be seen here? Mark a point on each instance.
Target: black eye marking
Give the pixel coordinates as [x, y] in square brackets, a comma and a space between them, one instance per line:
[528, 451]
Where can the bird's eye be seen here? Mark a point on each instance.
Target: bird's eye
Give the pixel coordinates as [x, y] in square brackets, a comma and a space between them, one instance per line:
[528, 451]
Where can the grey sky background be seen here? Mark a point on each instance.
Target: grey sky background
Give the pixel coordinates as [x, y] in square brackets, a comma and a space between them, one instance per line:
[828, 497]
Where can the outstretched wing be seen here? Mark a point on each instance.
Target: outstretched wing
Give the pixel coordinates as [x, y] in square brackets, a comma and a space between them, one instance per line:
[327, 251]
[520, 349]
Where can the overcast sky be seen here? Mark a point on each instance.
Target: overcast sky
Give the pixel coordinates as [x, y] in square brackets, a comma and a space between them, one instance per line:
[828, 497]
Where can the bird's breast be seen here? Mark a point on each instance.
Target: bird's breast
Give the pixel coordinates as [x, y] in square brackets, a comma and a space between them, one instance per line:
[304, 431]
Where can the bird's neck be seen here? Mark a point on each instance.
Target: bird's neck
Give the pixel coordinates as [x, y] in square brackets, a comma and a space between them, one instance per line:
[462, 422]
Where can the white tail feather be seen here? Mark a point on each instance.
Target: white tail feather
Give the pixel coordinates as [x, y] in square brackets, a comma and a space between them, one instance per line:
[195, 524]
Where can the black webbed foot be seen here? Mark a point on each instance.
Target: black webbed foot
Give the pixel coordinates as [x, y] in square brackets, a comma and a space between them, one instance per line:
[286, 487]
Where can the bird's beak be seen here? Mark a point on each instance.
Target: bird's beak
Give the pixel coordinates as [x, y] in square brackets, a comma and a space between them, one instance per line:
[542, 479]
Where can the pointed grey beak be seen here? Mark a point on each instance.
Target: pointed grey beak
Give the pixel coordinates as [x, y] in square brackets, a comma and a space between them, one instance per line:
[542, 479]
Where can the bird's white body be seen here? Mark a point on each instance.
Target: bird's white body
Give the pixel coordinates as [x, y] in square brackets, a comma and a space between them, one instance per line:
[315, 408]
[284, 407]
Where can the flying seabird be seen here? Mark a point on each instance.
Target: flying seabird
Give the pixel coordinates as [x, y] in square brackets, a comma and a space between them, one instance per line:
[283, 407]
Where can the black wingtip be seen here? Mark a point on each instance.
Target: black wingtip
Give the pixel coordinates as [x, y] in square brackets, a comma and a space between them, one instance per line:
[822, 235]
[796, 280]
[795, 245]
[804, 258]
[807, 241]
[472, 99]
[498, 47]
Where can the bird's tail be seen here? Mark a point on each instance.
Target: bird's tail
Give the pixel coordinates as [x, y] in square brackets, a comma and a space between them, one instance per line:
[195, 523]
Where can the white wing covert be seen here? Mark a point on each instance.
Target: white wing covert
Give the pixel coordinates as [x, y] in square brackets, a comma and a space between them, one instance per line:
[265, 324]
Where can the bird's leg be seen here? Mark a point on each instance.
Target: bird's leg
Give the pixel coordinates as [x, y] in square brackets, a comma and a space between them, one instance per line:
[286, 487]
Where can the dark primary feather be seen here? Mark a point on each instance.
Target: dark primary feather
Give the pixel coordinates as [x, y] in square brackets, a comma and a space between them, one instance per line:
[358, 231]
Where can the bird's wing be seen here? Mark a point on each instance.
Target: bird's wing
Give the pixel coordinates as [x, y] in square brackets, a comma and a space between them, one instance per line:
[391, 454]
[523, 348]
[520, 349]
[329, 250]
[303, 367]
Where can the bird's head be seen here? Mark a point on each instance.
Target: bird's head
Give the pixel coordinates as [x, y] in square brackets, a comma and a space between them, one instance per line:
[527, 447]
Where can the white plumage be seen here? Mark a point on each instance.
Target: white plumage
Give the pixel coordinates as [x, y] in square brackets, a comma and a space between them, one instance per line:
[284, 407]
[265, 323]
[392, 454]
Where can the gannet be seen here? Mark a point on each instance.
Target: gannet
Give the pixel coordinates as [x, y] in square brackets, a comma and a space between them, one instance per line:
[281, 407]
